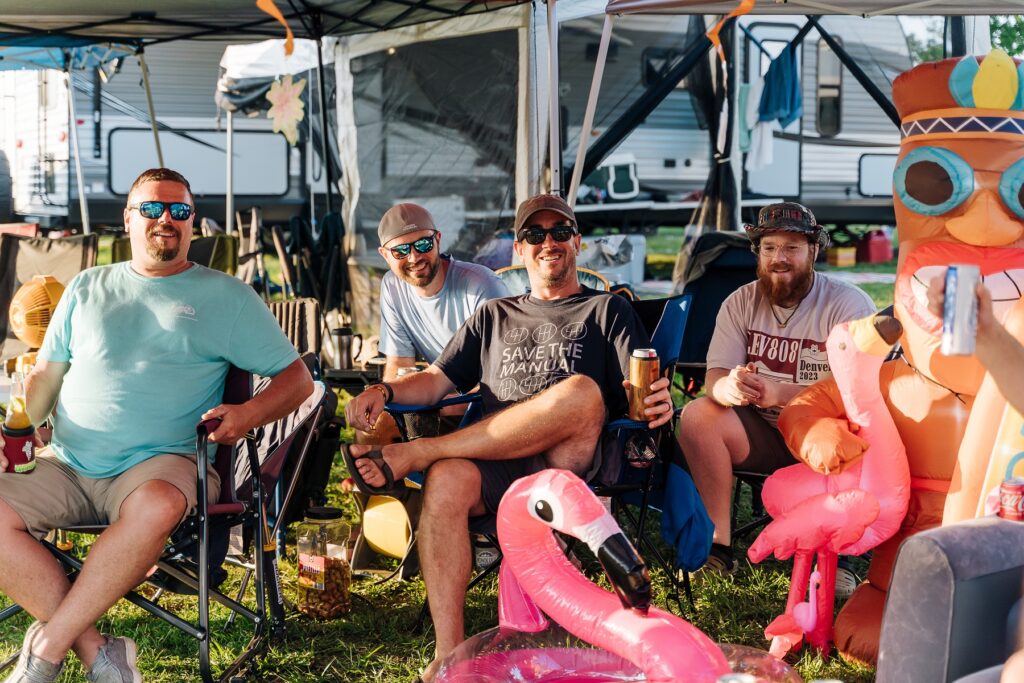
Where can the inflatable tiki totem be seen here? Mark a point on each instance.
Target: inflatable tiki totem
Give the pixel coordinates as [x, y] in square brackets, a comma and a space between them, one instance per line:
[959, 198]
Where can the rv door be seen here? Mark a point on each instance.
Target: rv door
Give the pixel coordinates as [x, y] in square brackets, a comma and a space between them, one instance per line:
[781, 177]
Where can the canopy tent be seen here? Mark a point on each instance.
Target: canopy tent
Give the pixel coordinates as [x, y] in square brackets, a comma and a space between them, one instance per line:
[64, 54]
[163, 20]
[860, 8]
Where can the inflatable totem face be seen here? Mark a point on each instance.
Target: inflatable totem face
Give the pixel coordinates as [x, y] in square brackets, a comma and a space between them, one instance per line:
[958, 195]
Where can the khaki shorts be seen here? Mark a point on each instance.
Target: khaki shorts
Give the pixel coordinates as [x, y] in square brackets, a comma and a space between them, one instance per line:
[54, 496]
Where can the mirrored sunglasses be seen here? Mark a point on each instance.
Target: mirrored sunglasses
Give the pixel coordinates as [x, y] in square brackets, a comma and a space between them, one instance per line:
[535, 236]
[423, 245]
[153, 210]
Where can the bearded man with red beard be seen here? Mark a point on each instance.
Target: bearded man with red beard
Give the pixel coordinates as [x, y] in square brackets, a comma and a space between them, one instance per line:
[768, 344]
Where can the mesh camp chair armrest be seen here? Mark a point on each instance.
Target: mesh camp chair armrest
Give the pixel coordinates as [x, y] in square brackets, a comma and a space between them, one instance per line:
[405, 408]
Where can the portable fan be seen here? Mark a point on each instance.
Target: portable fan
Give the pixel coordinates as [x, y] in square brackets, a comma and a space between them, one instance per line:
[32, 308]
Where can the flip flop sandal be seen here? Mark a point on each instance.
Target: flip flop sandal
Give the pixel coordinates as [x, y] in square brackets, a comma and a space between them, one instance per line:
[389, 487]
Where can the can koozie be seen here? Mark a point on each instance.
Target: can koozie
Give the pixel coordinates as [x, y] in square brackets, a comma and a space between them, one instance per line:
[19, 450]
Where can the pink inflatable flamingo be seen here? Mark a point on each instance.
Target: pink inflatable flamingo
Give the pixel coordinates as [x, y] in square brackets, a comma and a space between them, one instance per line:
[849, 512]
[656, 645]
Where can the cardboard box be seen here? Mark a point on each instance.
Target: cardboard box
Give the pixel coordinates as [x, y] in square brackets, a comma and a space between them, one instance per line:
[842, 257]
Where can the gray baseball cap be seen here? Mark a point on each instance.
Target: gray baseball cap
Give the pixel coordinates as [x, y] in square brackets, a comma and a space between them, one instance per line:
[401, 219]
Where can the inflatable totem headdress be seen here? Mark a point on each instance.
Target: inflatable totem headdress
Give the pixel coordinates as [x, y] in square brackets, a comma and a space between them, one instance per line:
[959, 192]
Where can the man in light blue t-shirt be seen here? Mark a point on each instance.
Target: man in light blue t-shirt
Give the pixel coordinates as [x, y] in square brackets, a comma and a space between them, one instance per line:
[426, 297]
[135, 356]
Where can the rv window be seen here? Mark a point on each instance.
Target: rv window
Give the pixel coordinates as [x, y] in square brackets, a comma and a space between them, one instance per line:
[656, 61]
[830, 84]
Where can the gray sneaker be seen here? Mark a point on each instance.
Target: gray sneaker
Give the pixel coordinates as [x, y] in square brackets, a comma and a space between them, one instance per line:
[115, 662]
[32, 669]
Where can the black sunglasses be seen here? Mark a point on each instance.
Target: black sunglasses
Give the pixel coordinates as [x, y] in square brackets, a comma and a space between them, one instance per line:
[423, 245]
[535, 236]
[153, 210]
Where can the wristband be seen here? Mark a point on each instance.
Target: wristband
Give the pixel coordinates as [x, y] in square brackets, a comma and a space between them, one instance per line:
[385, 389]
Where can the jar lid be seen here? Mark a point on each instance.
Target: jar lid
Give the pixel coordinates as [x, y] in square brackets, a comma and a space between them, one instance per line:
[323, 513]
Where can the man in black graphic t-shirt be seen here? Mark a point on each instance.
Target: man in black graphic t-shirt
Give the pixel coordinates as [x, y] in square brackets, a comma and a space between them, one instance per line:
[550, 366]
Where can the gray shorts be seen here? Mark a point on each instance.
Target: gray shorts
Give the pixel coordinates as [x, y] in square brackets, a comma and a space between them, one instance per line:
[768, 450]
[496, 476]
[54, 496]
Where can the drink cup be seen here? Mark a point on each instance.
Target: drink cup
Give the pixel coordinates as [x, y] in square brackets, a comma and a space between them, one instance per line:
[19, 449]
[643, 372]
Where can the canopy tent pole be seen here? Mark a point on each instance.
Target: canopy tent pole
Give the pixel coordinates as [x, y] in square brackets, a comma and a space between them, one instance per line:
[957, 36]
[73, 125]
[229, 194]
[588, 117]
[554, 123]
[858, 73]
[640, 109]
[322, 88]
[152, 114]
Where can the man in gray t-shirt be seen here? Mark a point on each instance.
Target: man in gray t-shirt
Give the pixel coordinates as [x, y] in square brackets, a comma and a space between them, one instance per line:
[427, 296]
[769, 343]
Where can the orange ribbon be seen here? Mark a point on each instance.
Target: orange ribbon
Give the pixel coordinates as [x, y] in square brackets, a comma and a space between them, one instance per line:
[743, 8]
[270, 8]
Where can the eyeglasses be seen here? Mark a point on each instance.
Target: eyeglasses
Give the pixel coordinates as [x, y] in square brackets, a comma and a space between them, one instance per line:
[535, 235]
[789, 251]
[153, 210]
[423, 245]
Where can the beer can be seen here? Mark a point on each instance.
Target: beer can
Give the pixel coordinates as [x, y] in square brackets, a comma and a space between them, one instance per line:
[643, 372]
[960, 310]
[1011, 499]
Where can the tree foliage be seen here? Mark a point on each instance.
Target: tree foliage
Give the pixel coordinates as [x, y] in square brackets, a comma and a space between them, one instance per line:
[1008, 34]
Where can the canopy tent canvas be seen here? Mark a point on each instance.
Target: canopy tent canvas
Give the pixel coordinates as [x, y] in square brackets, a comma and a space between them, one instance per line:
[862, 8]
[163, 20]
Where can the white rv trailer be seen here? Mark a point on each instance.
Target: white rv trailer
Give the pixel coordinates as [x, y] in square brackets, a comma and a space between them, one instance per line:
[408, 146]
[117, 143]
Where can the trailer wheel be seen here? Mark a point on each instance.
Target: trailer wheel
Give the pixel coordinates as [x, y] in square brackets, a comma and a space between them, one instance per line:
[6, 199]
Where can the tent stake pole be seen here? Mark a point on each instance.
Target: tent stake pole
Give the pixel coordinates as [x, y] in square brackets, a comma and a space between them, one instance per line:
[152, 114]
[554, 124]
[73, 125]
[588, 117]
[229, 196]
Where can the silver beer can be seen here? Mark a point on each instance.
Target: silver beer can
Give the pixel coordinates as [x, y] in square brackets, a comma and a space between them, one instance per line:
[960, 310]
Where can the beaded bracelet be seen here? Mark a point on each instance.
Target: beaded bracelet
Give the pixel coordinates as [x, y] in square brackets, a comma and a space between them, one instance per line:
[385, 389]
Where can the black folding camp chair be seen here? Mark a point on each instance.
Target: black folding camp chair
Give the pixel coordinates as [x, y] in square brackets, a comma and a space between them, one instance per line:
[193, 558]
[665, 321]
[719, 264]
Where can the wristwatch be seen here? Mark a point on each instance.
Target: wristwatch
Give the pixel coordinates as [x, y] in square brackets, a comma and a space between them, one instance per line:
[385, 389]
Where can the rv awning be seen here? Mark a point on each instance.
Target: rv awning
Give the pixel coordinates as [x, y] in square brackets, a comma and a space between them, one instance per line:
[68, 56]
[163, 20]
[865, 8]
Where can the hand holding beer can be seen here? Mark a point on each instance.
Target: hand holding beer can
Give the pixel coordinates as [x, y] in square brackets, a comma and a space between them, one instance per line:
[960, 310]
[644, 370]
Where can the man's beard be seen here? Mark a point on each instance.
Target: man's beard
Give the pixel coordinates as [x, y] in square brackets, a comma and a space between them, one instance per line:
[159, 253]
[786, 293]
[421, 280]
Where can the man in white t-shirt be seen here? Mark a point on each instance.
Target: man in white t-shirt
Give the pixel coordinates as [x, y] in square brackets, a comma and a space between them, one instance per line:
[427, 296]
[768, 344]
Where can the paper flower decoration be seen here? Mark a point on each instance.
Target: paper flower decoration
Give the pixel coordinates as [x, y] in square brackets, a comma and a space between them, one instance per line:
[286, 108]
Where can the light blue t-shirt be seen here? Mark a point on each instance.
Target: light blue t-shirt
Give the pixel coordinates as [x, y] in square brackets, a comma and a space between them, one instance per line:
[148, 356]
[412, 325]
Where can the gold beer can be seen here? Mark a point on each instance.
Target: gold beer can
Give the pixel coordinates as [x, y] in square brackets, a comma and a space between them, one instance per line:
[644, 371]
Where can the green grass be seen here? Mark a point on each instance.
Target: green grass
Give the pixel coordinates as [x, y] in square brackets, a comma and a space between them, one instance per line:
[376, 641]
